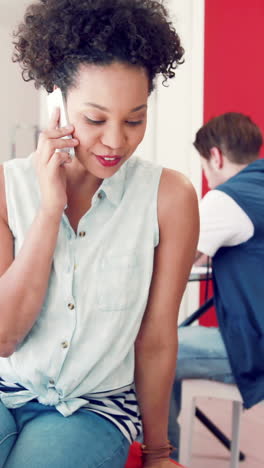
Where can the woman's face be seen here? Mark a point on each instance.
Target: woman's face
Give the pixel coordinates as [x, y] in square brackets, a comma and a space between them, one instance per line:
[108, 108]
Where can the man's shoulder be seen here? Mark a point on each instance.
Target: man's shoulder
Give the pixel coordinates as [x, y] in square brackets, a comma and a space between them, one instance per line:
[216, 198]
[222, 222]
[221, 206]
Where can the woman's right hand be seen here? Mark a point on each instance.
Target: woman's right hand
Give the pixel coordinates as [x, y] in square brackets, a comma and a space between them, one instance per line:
[50, 165]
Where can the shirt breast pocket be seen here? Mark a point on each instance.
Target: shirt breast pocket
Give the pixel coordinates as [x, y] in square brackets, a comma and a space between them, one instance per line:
[118, 281]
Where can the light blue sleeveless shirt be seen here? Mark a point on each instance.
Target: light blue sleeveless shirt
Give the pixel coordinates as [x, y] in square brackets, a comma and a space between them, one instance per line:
[83, 340]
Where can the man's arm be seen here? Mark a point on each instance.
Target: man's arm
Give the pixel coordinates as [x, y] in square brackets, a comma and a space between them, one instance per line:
[156, 345]
[222, 223]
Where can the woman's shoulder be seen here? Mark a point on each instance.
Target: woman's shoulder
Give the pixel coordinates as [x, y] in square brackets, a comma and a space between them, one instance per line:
[138, 164]
[176, 194]
[171, 181]
[19, 174]
[17, 178]
[143, 174]
[3, 207]
[176, 187]
[18, 163]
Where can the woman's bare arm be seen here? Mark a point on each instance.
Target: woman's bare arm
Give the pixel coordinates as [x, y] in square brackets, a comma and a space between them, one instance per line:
[24, 280]
[156, 346]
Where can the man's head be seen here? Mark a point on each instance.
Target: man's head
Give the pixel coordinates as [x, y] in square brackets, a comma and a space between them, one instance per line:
[227, 144]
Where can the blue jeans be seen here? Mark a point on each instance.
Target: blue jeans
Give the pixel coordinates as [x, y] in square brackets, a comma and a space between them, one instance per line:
[38, 436]
[202, 355]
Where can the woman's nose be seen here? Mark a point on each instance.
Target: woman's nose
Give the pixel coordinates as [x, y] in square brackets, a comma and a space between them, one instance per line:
[114, 137]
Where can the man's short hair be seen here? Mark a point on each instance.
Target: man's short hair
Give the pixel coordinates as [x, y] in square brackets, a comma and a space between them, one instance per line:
[234, 134]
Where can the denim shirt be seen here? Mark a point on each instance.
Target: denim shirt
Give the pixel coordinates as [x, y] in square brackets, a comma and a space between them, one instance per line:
[82, 342]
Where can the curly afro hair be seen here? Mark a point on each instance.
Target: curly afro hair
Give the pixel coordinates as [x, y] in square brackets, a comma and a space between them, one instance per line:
[57, 36]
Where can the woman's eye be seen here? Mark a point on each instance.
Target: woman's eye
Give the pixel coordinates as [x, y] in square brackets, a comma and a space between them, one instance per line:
[94, 122]
[134, 122]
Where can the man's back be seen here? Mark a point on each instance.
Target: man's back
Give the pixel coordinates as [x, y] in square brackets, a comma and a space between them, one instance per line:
[232, 234]
[239, 289]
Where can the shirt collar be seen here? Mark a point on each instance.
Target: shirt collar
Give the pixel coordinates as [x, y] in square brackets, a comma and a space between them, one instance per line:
[114, 186]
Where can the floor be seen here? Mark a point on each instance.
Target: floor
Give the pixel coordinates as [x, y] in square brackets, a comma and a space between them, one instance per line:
[209, 453]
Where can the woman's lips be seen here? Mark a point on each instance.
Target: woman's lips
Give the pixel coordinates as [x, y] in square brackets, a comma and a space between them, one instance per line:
[108, 161]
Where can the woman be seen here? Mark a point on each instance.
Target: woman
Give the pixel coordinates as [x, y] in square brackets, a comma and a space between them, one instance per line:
[96, 250]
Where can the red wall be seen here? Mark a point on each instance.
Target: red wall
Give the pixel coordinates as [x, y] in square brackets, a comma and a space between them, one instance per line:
[234, 65]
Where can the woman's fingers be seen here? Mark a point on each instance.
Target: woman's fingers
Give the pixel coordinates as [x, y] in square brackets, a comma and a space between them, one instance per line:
[52, 140]
[50, 159]
[54, 119]
[59, 159]
[57, 132]
[60, 143]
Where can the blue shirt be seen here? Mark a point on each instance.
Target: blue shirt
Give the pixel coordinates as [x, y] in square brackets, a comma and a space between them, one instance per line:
[82, 343]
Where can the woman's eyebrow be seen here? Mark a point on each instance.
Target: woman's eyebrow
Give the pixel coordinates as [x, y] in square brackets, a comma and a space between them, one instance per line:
[97, 106]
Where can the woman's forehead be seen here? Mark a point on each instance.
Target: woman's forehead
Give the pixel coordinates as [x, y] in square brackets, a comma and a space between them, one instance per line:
[115, 71]
[106, 85]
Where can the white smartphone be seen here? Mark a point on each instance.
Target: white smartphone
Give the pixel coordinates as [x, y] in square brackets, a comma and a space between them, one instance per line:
[55, 99]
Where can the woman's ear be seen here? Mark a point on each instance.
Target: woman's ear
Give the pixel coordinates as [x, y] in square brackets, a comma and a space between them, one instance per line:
[216, 158]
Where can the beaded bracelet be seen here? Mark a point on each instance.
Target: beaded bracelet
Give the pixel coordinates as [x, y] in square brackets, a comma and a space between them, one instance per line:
[157, 453]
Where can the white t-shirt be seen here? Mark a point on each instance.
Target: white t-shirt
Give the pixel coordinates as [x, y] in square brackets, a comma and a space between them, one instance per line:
[222, 223]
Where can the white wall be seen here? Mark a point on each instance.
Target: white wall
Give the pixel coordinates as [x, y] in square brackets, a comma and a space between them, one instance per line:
[180, 112]
[176, 112]
[179, 108]
[19, 100]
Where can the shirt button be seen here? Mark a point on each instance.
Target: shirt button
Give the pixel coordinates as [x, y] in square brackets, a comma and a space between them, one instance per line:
[65, 344]
[75, 267]
[51, 381]
[100, 195]
[71, 306]
[82, 234]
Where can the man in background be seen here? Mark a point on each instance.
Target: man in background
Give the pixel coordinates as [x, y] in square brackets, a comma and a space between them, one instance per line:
[232, 234]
